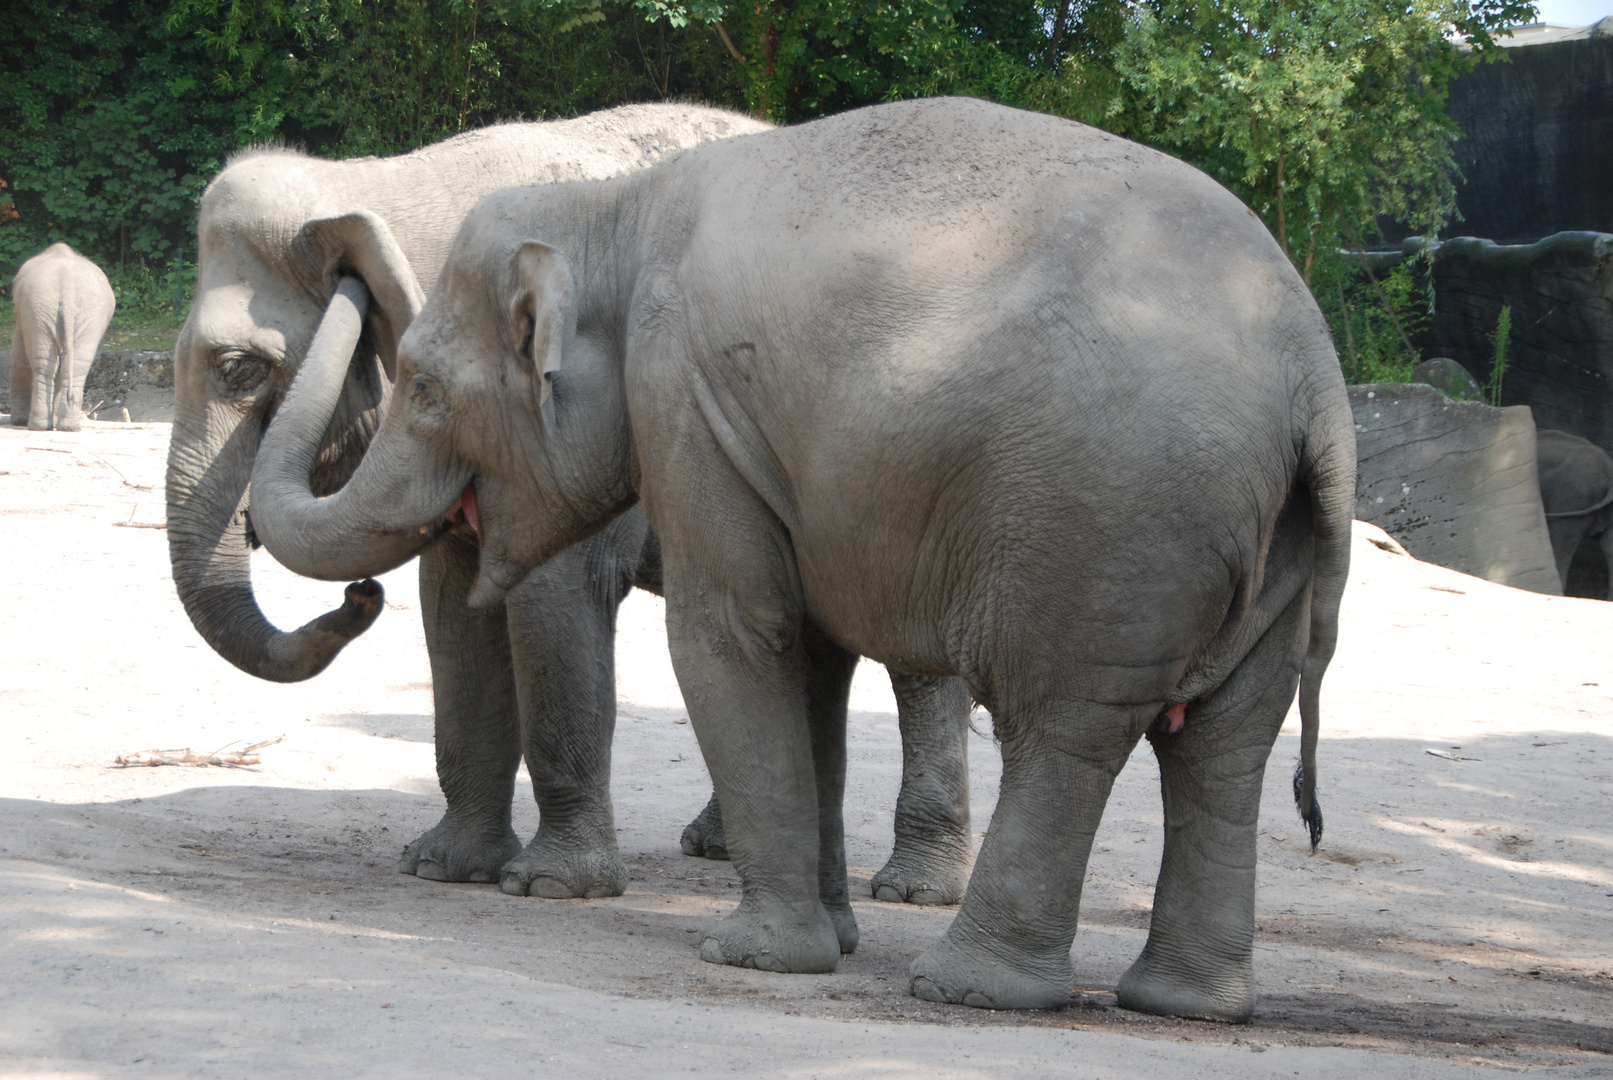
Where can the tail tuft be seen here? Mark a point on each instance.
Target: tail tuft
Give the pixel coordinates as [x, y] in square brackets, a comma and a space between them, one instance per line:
[1311, 815]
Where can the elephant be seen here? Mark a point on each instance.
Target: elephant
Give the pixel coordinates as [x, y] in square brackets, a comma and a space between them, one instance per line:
[63, 304]
[1576, 489]
[534, 674]
[976, 392]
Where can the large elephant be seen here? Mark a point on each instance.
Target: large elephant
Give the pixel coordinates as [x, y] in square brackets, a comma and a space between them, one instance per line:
[63, 304]
[1576, 488]
[534, 674]
[973, 391]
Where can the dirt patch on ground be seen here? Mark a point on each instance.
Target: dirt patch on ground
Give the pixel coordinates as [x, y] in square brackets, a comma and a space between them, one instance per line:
[206, 921]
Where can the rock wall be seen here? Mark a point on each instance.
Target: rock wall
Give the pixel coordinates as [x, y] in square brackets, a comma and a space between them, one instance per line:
[1538, 146]
[1560, 289]
[1454, 481]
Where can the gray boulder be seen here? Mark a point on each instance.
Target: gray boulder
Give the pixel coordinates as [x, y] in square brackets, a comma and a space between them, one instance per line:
[1453, 481]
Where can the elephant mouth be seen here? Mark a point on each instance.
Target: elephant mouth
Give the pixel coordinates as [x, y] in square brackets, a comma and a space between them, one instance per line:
[464, 509]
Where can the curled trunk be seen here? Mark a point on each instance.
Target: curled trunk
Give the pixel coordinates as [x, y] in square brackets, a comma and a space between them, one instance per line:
[372, 524]
[209, 542]
[211, 556]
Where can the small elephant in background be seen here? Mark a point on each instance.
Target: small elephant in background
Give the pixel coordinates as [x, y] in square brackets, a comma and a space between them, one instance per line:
[63, 304]
[1576, 489]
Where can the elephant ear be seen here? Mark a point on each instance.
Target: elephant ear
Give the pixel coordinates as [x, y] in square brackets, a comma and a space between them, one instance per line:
[544, 316]
[361, 243]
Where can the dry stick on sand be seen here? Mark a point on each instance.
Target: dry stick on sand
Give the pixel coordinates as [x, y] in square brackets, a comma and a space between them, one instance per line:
[235, 760]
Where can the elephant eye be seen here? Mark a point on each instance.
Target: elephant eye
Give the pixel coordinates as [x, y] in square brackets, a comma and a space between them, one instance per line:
[240, 372]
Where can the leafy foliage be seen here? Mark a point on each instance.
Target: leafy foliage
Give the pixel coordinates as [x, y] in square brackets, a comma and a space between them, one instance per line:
[1374, 317]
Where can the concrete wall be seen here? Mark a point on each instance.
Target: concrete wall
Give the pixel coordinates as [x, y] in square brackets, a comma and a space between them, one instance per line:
[1561, 294]
[1538, 147]
[1454, 481]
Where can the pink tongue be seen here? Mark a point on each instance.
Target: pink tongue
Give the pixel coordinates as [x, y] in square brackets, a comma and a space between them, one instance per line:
[1176, 715]
[466, 503]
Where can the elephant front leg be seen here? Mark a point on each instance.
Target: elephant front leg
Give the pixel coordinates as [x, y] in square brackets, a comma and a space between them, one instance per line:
[1009, 947]
[563, 637]
[931, 858]
[478, 741]
[1198, 961]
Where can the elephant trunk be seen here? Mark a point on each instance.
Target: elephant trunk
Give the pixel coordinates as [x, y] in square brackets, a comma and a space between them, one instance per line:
[386, 513]
[208, 546]
[208, 467]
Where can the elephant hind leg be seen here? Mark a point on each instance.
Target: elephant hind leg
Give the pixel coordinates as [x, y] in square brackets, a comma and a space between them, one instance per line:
[21, 379]
[933, 852]
[1009, 947]
[1198, 960]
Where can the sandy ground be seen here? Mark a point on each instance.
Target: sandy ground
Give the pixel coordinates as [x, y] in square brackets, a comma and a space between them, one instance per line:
[201, 922]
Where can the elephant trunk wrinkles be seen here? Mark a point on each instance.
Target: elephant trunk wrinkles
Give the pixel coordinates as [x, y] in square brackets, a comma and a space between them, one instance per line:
[373, 523]
[207, 544]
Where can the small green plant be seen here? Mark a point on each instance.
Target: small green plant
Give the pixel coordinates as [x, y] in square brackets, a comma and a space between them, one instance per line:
[1500, 343]
[1373, 317]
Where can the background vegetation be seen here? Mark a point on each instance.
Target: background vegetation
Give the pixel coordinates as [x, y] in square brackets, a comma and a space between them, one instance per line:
[1326, 116]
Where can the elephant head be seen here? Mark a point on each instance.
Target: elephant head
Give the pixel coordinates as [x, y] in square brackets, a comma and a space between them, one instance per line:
[261, 289]
[502, 412]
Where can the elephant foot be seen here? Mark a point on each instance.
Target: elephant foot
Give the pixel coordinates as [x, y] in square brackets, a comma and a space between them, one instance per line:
[784, 938]
[455, 852]
[704, 835]
[557, 870]
[1150, 986]
[845, 924]
[954, 975]
[912, 878]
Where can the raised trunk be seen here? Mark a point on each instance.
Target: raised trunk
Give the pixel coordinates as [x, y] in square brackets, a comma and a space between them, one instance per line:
[382, 517]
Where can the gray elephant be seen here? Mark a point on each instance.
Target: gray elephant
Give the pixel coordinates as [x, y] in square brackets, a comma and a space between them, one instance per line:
[1576, 489]
[533, 674]
[976, 392]
[63, 304]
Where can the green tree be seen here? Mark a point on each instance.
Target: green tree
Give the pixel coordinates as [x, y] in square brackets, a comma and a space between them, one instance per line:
[109, 135]
[1326, 117]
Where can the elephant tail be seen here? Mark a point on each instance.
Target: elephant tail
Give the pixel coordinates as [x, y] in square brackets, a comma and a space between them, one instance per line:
[1327, 469]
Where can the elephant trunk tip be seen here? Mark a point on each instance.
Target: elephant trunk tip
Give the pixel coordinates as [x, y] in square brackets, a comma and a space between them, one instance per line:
[361, 606]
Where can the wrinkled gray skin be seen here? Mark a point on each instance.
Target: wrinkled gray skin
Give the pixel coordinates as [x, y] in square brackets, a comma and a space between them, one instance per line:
[533, 674]
[62, 303]
[972, 391]
[1576, 488]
